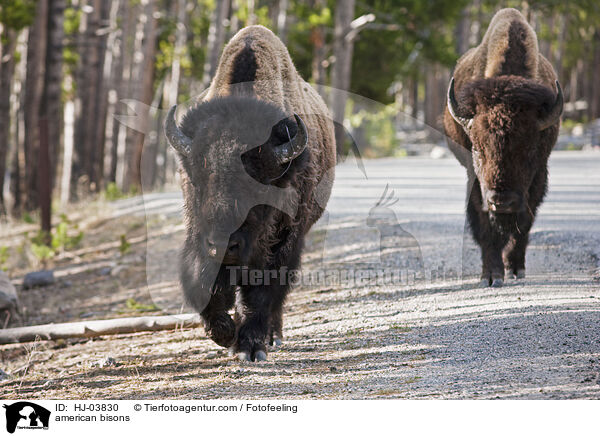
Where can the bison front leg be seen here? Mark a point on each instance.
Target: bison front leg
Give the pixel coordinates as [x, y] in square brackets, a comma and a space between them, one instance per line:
[492, 271]
[207, 288]
[253, 315]
[491, 244]
[217, 323]
[514, 252]
[276, 329]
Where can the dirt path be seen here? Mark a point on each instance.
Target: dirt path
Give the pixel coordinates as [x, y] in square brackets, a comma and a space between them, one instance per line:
[437, 337]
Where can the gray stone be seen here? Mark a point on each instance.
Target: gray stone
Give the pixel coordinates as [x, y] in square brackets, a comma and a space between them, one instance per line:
[116, 271]
[107, 362]
[8, 293]
[38, 278]
[105, 271]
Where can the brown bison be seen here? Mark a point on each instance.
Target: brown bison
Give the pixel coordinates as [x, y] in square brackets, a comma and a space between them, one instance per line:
[502, 118]
[256, 157]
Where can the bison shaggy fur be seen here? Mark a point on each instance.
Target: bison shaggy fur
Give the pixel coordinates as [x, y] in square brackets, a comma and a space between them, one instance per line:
[502, 120]
[257, 153]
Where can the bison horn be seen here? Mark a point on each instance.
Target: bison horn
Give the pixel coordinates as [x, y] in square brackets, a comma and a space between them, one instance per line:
[290, 150]
[453, 109]
[178, 140]
[553, 114]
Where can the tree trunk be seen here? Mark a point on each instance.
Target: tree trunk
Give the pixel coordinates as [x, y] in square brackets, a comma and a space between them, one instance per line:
[317, 38]
[108, 20]
[216, 38]
[69, 123]
[122, 66]
[50, 110]
[88, 147]
[281, 23]
[463, 31]
[17, 181]
[414, 98]
[171, 90]
[594, 102]
[7, 69]
[98, 327]
[145, 76]
[342, 68]
[36, 50]
[436, 81]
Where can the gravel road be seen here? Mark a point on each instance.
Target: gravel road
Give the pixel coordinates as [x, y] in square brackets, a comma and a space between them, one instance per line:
[434, 336]
[537, 338]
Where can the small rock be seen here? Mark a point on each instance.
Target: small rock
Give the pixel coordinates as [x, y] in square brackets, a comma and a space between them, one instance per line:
[117, 270]
[105, 271]
[67, 283]
[38, 278]
[8, 293]
[4, 376]
[107, 362]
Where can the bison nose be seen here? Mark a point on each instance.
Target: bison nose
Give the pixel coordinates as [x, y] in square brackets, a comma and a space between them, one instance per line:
[503, 201]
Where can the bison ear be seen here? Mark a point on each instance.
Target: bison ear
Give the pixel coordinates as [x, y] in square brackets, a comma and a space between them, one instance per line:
[289, 138]
[553, 114]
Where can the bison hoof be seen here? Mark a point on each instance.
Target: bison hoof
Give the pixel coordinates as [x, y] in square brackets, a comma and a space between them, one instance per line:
[259, 356]
[520, 274]
[497, 282]
[243, 356]
[275, 341]
[222, 331]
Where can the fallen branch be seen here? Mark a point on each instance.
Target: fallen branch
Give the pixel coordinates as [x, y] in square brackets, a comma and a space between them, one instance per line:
[101, 327]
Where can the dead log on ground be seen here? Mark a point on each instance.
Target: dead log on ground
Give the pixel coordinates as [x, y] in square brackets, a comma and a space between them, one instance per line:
[101, 327]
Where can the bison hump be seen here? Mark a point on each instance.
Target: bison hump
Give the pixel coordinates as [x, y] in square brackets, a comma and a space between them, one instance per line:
[511, 46]
[244, 66]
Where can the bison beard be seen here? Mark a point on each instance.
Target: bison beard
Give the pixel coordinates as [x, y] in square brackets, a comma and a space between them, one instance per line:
[256, 173]
[502, 121]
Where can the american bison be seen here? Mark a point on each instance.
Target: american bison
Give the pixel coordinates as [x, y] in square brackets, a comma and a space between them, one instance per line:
[502, 117]
[256, 155]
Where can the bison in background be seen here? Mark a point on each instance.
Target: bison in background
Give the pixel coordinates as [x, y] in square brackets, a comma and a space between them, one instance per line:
[256, 156]
[502, 117]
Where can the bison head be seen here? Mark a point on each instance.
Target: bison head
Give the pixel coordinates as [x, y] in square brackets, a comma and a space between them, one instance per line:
[511, 123]
[239, 157]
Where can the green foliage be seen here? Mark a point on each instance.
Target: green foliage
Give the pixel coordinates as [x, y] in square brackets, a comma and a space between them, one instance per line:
[124, 246]
[307, 18]
[61, 240]
[408, 34]
[4, 255]
[132, 304]
[45, 248]
[112, 192]
[17, 14]
[28, 218]
[42, 252]
[71, 26]
[378, 128]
